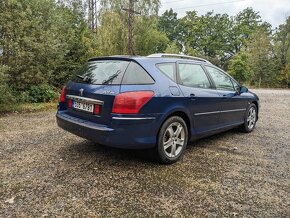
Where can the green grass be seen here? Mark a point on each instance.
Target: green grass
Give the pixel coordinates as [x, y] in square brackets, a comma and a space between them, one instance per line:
[27, 107]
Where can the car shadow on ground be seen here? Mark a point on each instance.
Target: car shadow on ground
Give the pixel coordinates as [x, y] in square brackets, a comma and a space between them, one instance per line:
[90, 150]
[86, 149]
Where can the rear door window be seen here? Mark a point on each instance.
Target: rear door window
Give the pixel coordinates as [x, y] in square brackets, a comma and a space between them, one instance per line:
[102, 72]
[136, 75]
[221, 80]
[193, 75]
[168, 69]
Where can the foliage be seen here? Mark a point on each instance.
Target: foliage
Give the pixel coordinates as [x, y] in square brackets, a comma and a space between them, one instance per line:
[168, 24]
[145, 7]
[42, 43]
[260, 54]
[41, 93]
[284, 77]
[112, 35]
[148, 39]
[239, 67]
[282, 52]
[172, 48]
[6, 97]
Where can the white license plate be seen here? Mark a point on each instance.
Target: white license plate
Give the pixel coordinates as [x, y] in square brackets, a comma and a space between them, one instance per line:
[83, 106]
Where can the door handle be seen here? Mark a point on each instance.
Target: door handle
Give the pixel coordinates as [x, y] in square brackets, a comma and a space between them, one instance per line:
[192, 96]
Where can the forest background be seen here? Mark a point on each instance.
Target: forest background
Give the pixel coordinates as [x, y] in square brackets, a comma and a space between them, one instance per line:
[44, 42]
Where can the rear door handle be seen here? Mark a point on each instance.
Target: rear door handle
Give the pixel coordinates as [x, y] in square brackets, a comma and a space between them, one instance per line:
[192, 96]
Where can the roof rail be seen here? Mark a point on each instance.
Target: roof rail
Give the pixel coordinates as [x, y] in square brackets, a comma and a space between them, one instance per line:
[164, 55]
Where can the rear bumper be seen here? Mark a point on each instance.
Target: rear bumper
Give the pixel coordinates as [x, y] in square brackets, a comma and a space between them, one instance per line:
[123, 132]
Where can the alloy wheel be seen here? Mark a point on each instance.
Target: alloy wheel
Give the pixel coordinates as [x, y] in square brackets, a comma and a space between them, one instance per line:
[173, 139]
[251, 119]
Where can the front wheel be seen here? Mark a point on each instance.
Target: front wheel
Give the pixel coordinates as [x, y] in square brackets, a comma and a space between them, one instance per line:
[172, 140]
[250, 119]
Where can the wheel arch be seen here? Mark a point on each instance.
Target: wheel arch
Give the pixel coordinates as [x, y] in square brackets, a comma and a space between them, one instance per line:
[181, 114]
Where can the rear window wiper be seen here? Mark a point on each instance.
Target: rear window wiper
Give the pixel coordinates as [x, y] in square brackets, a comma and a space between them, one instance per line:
[81, 77]
[111, 78]
[85, 78]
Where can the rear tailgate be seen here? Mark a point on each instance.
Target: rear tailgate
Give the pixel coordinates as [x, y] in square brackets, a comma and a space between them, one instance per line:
[95, 86]
[100, 95]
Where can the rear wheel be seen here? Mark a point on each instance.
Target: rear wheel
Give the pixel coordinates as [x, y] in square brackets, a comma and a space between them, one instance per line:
[250, 119]
[172, 140]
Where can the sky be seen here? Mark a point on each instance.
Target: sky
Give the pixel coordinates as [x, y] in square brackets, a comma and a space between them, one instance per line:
[272, 11]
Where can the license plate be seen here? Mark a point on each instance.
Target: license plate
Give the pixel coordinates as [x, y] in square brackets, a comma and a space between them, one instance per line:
[83, 106]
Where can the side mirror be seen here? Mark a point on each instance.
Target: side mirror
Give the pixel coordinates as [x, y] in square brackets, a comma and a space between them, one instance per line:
[243, 89]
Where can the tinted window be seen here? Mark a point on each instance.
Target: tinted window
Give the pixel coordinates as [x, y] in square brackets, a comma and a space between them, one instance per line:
[221, 80]
[168, 69]
[135, 74]
[102, 72]
[193, 75]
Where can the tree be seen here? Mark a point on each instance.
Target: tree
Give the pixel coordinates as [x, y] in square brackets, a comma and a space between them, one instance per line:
[260, 51]
[168, 23]
[172, 48]
[282, 52]
[112, 35]
[78, 40]
[188, 29]
[27, 40]
[42, 44]
[207, 35]
[246, 22]
[239, 67]
[148, 39]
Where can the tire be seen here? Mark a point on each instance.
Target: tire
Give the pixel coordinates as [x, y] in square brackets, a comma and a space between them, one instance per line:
[250, 119]
[172, 140]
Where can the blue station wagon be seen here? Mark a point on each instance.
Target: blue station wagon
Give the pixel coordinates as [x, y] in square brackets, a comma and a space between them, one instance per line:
[161, 101]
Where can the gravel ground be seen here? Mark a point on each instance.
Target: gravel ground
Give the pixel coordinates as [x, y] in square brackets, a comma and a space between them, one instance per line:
[47, 172]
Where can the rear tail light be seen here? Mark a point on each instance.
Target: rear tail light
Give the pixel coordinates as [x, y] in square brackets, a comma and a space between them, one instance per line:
[97, 109]
[131, 102]
[62, 95]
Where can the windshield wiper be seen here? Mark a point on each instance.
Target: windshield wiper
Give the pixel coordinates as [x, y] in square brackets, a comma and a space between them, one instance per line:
[111, 78]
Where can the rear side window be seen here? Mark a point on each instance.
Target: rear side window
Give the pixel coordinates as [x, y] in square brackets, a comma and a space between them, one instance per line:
[221, 80]
[136, 75]
[168, 69]
[102, 72]
[193, 75]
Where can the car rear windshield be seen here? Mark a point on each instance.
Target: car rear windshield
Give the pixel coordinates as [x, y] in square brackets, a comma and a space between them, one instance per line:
[102, 72]
[111, 72]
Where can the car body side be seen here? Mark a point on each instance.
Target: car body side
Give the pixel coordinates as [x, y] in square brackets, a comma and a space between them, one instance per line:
[170, 98]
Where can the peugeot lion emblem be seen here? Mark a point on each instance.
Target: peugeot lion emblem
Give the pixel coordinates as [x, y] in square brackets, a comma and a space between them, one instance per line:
[81, 92]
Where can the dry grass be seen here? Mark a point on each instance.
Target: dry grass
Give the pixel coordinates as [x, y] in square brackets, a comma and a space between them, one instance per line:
[27, 107]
